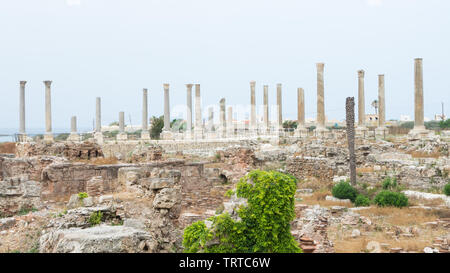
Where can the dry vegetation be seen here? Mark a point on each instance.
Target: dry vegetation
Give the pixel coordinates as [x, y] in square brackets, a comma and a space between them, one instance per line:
[99, 161]
[419, 154]
[7, 148]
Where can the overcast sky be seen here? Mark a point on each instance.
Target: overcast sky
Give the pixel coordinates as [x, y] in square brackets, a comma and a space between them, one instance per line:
[113, 49]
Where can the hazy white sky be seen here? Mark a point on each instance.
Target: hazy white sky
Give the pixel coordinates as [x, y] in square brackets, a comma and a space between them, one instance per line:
[114, 48]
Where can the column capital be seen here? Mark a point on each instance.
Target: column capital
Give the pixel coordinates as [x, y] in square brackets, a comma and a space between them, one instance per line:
[320, 65]
[145, 89]
[418, 59]
[361, 73]
[252, 83]
[22, 83]
[189, 85]
[278, 84]
[166, 86]
[380, 75]
[47, 83]
[222, 100]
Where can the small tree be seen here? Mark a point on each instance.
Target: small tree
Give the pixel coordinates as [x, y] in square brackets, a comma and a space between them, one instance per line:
[157, 125]
[264, 224]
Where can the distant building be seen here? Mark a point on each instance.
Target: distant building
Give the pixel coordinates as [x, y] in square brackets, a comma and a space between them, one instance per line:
[405, 118]
[439, 117]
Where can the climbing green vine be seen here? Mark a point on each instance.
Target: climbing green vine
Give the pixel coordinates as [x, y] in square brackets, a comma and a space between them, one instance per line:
[264, 224]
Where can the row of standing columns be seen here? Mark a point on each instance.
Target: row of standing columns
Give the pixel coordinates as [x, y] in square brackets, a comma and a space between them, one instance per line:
[226, 126]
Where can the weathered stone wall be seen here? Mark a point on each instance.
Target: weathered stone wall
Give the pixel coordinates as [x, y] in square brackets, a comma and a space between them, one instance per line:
[71, 151]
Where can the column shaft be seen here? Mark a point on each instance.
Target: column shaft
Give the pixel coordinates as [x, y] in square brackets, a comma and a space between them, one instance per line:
[381, 102]
[22, 107]
[48, 107]
[361, 100]
[279, 106]
[198, 109]
[320, 96]
[121, 122]
[301, 107]
[189, 107]
[166, 108]
[418, 95]
[144, 109]
[252, 105]
[73, 125]
[266, 107]
[98, 115]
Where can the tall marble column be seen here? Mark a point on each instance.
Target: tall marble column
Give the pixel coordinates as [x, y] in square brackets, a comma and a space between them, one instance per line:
[73, 137]
[279, 108]
[22, 111]
[166, 133]
[189, 110]
[419, 125]
[301, 130]
[121, 135]
[198, 128]
[252, 106]
[223, 125]
[320, 123]
[98, 135]
[361, 100]
[266, 124]
[48, 112]
[145, 134]
[230, 125]
[381, 129]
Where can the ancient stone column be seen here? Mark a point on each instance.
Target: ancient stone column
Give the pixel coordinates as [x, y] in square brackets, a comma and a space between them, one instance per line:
[121, 135]
[301, 130]
[189, 110]
[145, 135]
[210, 119]
[279, 108]
[361, 100]
[73, 125]
[73, 137]
[98, 136]
[48, 112]
[266, 108]
[381, 130]
[198, 128]
[223, 125]
[252, 106]
[166, 108]
[320, 123]
[419, 125]
[22, 110]
[230, 126]
[350, 120]
[98, 115]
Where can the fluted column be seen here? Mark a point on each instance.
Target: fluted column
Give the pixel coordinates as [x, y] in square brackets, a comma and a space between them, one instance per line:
[266, 108]
[48, 112]
[252, 106]
[22, 109]
[189, 109]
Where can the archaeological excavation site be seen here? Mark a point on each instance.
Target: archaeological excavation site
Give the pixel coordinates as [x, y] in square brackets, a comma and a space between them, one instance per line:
[229, 185]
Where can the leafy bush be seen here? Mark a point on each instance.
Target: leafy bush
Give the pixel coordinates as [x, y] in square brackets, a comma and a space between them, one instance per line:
[96, 218]
[362, 201]
[444, 124]
[390, 198]
[447, 189]
[157, 125]
[82, 195]
[343, 190]
[264, 224]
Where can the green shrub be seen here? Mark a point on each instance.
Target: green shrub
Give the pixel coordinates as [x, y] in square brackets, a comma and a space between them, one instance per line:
[343, 190]
[447, 189]
[264, 224]
[96, 218]
[362, 201]
[82, 195]
[390, 198]
[390, 183]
